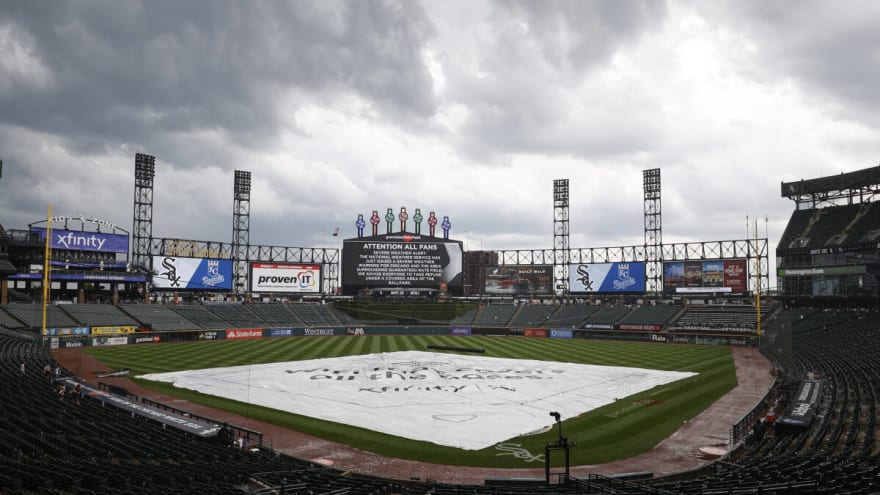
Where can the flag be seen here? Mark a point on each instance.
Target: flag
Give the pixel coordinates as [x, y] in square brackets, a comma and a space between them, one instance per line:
[336, 232]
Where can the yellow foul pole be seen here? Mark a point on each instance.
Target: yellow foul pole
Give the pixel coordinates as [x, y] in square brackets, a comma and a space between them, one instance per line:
[46, 277]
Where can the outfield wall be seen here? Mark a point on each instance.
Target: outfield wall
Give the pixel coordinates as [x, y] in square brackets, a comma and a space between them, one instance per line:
[83, 338]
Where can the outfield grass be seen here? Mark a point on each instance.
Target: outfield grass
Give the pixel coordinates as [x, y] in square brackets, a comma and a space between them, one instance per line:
[619, 430]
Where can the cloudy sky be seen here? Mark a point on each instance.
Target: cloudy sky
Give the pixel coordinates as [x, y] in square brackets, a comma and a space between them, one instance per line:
[467, 108]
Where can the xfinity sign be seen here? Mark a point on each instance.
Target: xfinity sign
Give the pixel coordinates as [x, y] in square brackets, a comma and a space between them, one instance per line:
[285, 277]
[71, 240]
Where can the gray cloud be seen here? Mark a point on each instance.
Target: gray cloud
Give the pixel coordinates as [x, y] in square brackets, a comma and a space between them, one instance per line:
[137, 71]
[537, 57]
[831, 48]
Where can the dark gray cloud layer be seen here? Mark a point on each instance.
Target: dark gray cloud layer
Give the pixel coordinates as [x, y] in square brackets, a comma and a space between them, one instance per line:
[137, 72]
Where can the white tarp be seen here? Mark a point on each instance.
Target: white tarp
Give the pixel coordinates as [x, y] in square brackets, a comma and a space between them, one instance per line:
[464, 401]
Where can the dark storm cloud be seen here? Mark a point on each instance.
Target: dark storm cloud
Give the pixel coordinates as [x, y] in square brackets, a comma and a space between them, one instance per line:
[139, 72]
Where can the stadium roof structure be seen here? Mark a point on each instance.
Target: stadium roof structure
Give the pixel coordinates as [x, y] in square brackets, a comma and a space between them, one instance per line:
[853, 187]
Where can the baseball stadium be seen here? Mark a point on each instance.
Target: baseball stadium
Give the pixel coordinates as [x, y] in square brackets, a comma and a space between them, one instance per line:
[402, 363]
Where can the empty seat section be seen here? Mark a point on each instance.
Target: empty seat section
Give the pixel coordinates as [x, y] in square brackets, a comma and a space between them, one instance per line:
[495, 315]
[159, 317]
[99, 315]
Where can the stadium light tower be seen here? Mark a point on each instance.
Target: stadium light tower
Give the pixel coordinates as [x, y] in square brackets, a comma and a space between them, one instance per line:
[561, 254]
[653, 229]
[142, 228]
[241, 229]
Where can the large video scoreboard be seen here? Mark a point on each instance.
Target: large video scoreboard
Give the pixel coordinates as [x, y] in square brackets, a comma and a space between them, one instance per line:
[401, 260]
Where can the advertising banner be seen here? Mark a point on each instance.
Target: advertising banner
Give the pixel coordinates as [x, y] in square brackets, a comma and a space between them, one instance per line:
[146, 339]
[244, 333]
[61, 331]
[628, 277]
[735, 274]
[72, 343]
[561, 333]
[598, 326]
[85, 277]
[70, 240]
[803, 407]
[281, 332]
[696, 277]
[285, 277]
[519, 279]
[461, 330]
[639, 327]
[170, 272]
[113, 330]
[319, 332]
[401, 260]
[535, 332]
[106, 341]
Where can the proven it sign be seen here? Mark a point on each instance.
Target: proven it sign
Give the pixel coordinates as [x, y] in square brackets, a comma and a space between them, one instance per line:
[285, 277]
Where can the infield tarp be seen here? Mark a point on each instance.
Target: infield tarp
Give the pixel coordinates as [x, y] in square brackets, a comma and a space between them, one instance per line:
[463, 401]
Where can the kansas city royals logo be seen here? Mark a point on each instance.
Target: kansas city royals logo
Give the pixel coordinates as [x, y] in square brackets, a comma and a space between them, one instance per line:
[214, 277]
[624, 281]
[213, 268]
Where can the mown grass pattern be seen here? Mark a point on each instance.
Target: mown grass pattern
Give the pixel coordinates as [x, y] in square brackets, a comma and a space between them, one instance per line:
[625, 428]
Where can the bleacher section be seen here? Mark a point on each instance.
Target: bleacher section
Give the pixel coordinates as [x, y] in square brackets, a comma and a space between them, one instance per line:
[319, 315]
[276, 315]
[609, 315]
[791, 238]
[235, 315]
[158, 317]
[865, 226]
[202, 317]
[533, 315]
[571, 316]
[650, 315]
[466, 319]
[726, 318]
[7, 321]
[98, 315]
[496, 315]
[32, 315]
[843, 225]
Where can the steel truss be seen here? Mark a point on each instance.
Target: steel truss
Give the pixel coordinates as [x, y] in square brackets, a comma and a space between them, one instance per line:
[653, 230]
[748, 249]
[241, 228]
[560, 236]
[142, 229]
